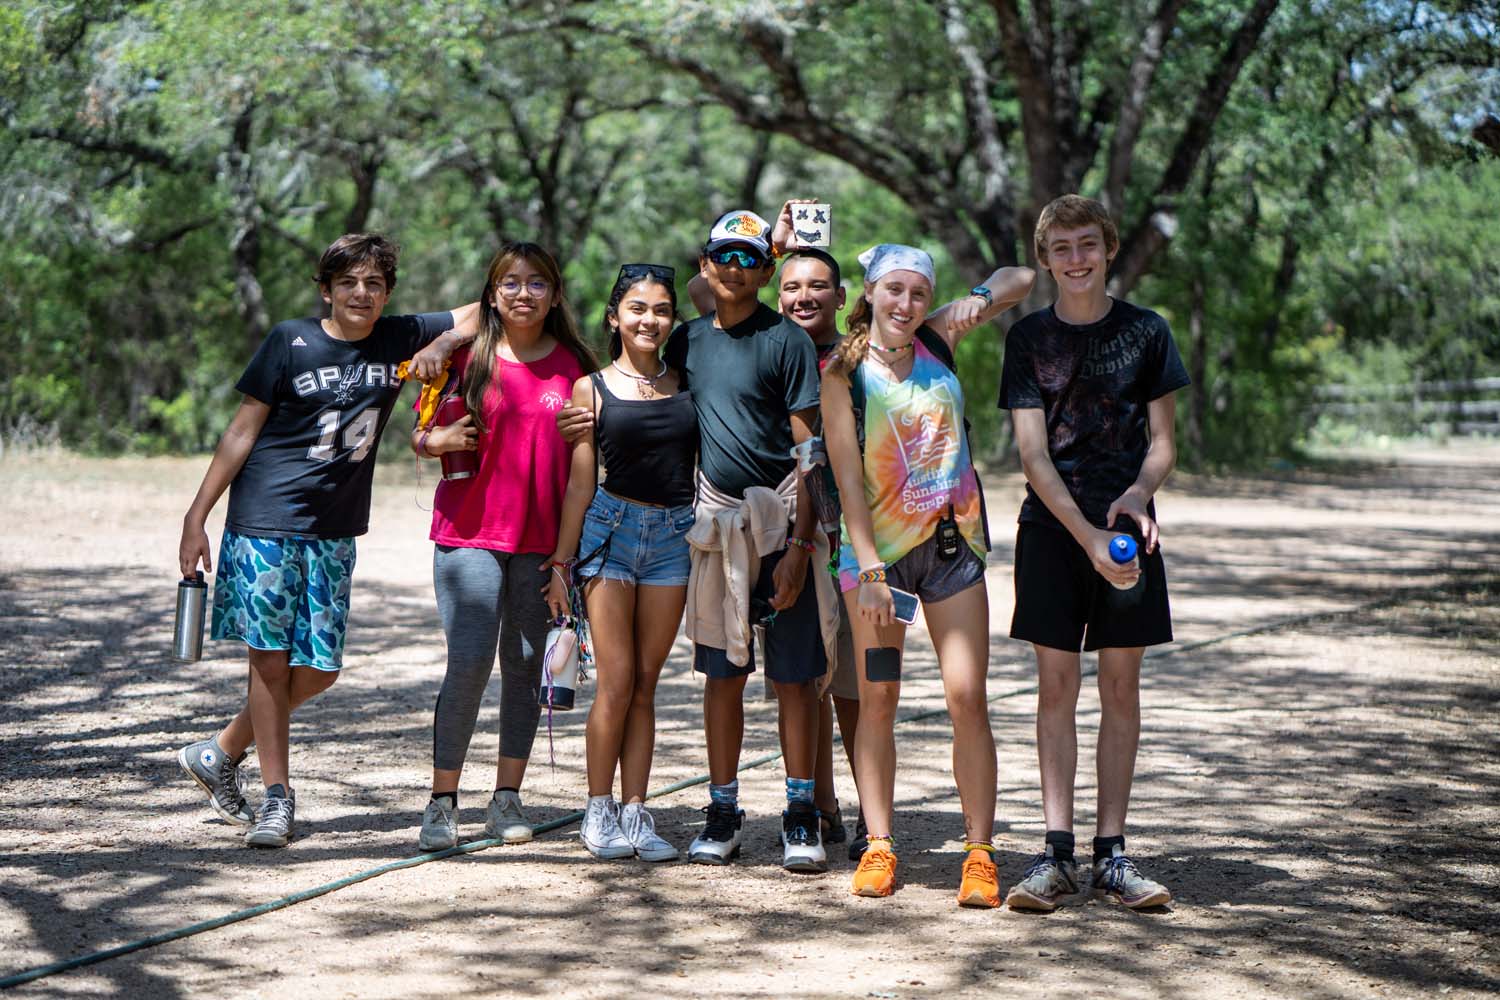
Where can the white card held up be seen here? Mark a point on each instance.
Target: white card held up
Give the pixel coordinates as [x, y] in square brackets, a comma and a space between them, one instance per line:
[813, 225]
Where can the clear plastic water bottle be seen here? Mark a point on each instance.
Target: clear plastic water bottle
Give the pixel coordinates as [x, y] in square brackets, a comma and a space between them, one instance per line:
[1123, 550]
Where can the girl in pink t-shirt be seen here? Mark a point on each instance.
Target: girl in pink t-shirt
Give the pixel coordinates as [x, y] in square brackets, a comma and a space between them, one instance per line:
[495, 531]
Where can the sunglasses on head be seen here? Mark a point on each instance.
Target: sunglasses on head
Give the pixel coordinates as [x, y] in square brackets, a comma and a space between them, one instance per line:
[658, 271]
[744, 258]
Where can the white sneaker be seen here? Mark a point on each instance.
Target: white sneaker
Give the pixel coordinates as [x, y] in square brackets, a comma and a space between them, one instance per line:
[802, 839]
[720, 840]
[601, 832]
[504, 819]
[640, 830]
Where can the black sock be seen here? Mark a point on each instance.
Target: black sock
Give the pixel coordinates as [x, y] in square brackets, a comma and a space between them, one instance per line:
[1105, 846]
[507, 788]
[1060, 843]
[452, 798]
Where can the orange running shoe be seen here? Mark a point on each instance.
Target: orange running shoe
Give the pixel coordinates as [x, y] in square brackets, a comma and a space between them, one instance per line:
[876, 874]
[980, 885]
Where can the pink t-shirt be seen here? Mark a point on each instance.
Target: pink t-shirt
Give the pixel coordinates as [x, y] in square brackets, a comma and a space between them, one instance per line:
[514, 502]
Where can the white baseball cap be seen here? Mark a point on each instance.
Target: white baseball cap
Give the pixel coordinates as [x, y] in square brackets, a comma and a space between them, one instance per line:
[740, 227]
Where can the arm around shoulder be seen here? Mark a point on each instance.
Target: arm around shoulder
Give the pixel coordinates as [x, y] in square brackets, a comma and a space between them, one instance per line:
[1006, 287]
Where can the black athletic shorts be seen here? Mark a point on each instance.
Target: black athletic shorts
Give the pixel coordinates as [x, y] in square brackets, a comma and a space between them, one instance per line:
[1062, 603]
[794, 637]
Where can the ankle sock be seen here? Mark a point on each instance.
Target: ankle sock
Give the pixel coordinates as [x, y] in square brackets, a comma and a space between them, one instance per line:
[979, 845]
[1105, 846]
[507, 788]
[799, 790]
[875, 842]
[452, 798]
[1060, 845]
[726, 794]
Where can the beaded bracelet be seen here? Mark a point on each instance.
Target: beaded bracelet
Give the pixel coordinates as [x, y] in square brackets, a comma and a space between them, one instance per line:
[875, 574]
[422, 443]
[805, 544]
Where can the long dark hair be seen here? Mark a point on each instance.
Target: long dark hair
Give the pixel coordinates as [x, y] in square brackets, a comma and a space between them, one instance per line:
[559, 323]
[630, 276]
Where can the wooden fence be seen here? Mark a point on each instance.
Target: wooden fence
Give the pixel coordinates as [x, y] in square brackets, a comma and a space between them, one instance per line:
[1462, 407]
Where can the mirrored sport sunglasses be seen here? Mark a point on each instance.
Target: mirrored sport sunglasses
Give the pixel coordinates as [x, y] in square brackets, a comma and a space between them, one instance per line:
[744, 258]
[659, 271]
[510, 287]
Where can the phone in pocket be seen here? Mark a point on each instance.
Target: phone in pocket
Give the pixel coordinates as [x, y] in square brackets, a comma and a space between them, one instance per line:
[906, 606]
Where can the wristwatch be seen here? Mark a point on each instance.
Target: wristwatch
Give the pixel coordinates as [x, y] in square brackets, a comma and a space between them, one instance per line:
[983, 293]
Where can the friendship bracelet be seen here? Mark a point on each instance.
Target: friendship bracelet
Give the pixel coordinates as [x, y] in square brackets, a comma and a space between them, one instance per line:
[875, 574]
[805, 544]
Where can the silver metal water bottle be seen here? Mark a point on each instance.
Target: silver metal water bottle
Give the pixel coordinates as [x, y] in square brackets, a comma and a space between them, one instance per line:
[192, 601]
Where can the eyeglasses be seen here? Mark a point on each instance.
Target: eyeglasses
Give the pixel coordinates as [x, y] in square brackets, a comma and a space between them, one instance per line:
[744, 258]
[659, 271]
[510, 287]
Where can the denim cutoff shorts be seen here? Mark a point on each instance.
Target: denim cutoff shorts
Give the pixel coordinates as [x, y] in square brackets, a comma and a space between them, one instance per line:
[635, 542]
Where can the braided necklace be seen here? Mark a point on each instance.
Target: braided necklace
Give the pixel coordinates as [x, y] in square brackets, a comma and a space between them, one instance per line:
[645, 385]
[892, 350]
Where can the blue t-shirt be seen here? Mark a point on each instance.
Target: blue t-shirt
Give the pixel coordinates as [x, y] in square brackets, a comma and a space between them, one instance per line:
[746, 381]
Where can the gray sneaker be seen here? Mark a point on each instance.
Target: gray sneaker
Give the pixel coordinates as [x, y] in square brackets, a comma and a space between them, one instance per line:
[640, 829]
[219, 776]
[1116, 877]
[601, 832]
[439, 826]
[504, 819]
[273, 824]
[1045, 881]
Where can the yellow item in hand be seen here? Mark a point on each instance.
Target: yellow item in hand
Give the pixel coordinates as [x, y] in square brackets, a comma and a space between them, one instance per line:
[432, 393]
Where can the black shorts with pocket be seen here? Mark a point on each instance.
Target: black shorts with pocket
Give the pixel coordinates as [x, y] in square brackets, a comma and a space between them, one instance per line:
[1063, 603]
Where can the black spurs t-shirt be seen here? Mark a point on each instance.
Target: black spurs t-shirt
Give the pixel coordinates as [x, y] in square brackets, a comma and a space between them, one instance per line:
[310, 470]
[1093, 383]
[746, 383]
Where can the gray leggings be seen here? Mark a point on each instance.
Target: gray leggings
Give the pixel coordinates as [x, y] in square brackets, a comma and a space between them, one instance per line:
[488, 598]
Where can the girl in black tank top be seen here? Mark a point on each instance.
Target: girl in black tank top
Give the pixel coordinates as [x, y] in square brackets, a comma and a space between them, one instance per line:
[625, 540]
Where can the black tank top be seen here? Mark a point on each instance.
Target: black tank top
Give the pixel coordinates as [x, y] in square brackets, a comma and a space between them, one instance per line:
[649, 446]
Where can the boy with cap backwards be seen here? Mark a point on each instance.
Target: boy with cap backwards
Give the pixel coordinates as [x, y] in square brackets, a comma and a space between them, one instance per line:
[1089, 383]
[754, 378]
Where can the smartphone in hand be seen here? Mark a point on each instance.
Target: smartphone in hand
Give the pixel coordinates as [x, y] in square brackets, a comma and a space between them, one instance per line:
[906, 606]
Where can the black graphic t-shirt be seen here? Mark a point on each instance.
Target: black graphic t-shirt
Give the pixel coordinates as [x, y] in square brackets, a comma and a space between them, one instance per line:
[1093, 383]
[746, 382]
[311, 468]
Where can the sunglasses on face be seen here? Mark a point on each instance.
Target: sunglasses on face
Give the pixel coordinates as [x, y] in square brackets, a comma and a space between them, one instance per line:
[658, 271]
[743, 258]
[510, 287]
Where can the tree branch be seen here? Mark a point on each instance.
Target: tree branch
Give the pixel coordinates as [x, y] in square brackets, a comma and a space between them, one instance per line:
[1132, 107]
[1158, 223]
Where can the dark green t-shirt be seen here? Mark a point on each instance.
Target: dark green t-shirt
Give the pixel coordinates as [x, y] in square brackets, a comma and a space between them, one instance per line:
[747, 381]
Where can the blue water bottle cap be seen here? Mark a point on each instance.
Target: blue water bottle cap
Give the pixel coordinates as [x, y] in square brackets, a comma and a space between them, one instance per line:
[1122, 549]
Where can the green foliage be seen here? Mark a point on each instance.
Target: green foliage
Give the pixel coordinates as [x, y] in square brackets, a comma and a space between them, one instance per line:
[170, 170]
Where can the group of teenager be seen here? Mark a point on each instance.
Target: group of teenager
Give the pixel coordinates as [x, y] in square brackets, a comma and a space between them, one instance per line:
[705, 520]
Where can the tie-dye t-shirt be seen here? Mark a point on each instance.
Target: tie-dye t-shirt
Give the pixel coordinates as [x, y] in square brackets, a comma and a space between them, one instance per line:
[916, 462]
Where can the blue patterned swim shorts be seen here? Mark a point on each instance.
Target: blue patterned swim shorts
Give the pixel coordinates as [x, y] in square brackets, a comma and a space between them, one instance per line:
[285, 593]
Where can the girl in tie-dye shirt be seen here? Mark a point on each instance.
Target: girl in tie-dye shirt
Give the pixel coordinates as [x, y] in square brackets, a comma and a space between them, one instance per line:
[912, 520]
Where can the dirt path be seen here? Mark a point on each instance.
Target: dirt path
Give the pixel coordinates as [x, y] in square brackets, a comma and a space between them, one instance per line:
[1318, 782]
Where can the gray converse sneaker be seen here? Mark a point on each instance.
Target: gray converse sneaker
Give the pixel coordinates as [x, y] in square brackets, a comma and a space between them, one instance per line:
[601, 832]
[219, 776]
[640, 830]
[439, 826]
[1116, 877]
[273, 824]
[504, 819]
[1045, 881]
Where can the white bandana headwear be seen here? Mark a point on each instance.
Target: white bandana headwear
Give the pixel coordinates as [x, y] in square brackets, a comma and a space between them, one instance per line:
[881, 260]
